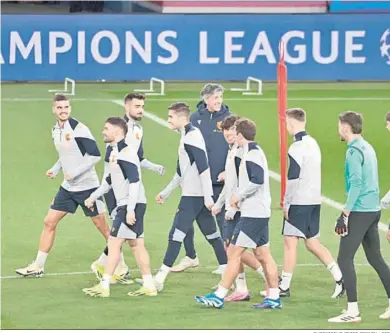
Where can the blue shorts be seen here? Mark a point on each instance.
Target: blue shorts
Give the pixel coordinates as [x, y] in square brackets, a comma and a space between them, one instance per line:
[303, 221]
[190, 209]
[251, 232]
[120, 228]
[228, 228]
[66, 201]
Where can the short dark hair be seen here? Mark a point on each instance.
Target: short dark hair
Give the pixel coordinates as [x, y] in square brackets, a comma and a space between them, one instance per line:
[247, 128]
[180, 107]
[130, 96]
[354, 120]
[388, 116]
[119, 122]
[297, 114]
[60, 98]
[229, 122]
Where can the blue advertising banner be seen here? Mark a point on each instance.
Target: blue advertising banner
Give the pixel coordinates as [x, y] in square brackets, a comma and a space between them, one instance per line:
[194, 47]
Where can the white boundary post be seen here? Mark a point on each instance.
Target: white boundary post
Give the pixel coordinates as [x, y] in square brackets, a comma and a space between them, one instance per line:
[65, 91]
[247, 89]
[151, 91]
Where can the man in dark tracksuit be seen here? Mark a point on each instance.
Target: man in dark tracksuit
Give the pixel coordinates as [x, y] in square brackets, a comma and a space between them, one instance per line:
[358, 223]
[208, 118]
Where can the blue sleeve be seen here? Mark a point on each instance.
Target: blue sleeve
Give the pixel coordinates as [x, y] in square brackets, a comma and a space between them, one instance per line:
[198, 156]
[88, 146]
[141, 151]
[129, 170]
[255, 173]
[294, 169]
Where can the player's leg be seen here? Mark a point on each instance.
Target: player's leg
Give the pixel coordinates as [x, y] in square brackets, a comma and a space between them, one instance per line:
[141, 255]
[290, 244]
[188, 209]
[371, 246]
[120, 231]
[313, 245]
[62, 205]
[231, 272]
[191, 259]
[357, 228]
[208, 227]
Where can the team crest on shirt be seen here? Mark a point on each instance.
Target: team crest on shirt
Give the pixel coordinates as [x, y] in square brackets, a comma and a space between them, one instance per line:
[112, 158]
[219, 125]
[67, 136]
[137, 136]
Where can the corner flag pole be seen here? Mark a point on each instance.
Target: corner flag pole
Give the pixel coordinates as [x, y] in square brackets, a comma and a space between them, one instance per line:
[282, 107]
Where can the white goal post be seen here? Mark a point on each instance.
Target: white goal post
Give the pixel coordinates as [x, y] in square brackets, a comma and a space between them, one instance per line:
[151, 91]
[65, 91]
[247, 89]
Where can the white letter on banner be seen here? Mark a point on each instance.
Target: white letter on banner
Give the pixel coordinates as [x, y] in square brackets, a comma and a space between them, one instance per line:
[230, 47]
[301, 49]
[203, 57]
[350, 47]
[145, 53]
[115, 47]
[54, 49]
[262, 47]
[334, 48]
[1, 59]
[164, 44]
[17, 43]
[81, 47]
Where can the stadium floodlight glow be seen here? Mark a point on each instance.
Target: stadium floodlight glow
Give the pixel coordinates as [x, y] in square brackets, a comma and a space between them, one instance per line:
[65, 91]
[247, 89]
[151, 91]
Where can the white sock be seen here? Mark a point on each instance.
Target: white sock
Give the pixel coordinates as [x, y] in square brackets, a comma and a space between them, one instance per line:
[148, 281]
[221, 292]
[241, 286]
[286, 280]
[162, 273]
[105, 281]
[102, 261]
[222, 267]
[41, 259]
[273, 293]
[353, 308]
[334, 269]
[260, 271]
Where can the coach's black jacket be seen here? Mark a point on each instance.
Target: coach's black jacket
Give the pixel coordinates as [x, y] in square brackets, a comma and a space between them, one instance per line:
[209, 124]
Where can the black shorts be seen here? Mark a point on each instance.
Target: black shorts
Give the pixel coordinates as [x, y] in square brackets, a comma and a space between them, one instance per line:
[251, 232]
[190, 209]
[120, 228]
[229, 226]
[303, 221]
[66, 201]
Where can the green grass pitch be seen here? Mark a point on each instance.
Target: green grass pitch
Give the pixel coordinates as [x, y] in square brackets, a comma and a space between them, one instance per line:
[57, 302]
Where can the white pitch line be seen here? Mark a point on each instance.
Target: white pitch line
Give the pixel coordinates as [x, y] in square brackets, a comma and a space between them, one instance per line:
[9, 277]
[272, 174]
[330, 99]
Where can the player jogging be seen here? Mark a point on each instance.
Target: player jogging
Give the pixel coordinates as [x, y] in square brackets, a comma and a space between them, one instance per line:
[78, 155]
[124, 177]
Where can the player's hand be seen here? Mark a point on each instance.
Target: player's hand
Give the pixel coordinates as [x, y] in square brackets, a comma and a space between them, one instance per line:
[160, 170]
[67, 176]
[50, 174]
[230, 213]
[234, 201]
[130, 218]
[388, 235]
[285, 213]
[89, 203]
[341, 227]
[221, 177]
[215, 211]
[159, 199]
